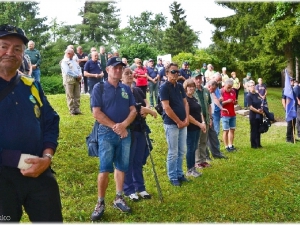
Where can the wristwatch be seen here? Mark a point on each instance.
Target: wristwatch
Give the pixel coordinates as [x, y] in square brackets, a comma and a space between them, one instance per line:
[48, 155]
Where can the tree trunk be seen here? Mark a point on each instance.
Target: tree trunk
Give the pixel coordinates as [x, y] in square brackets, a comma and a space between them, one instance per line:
[296, 68]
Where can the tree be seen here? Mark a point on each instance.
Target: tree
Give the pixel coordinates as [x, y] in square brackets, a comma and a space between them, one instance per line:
[25, 16]
[179, 37]
[100, 22]
[147, 28]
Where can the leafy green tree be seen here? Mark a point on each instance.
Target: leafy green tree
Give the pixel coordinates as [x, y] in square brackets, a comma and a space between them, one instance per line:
[100, 22]
[25, 15]
[142, 51]
[146, 28]
[179, 37]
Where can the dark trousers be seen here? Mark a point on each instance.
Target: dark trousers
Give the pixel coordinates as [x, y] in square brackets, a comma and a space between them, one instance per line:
[254, 133]
[39, 196]
[213, 142]
[290, 130]
[134, 179]
[298, 121]
[236, 93]
[144, 89]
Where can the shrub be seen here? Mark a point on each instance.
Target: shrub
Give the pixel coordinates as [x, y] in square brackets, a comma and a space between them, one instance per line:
[52, 84]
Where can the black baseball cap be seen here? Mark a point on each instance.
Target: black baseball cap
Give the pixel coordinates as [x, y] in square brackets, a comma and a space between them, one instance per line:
[6, 30]
[113, 61]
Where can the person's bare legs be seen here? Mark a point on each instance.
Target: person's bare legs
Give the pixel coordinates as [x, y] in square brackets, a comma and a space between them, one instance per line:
[102, 183]
[231, 136]
[225, 137]
[119, 179]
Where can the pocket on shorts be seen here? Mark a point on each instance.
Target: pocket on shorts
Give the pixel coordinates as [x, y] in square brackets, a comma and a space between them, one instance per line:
[103, 129]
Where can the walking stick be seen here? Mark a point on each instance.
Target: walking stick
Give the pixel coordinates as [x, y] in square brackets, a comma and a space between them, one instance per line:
[143, 126]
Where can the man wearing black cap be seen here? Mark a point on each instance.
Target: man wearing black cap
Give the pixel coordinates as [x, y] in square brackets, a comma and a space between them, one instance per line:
[114, 109]
[184, 73]
[29, 129]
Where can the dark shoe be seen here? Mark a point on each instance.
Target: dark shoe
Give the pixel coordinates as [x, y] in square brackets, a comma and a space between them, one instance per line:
[288, 141]
[183, 179]
[175, 182]
[228, 149]
[232, 148]
[78, 113]
[260, 146]
[119, 203]
[98, 211]
[254, 147]
[145, 195]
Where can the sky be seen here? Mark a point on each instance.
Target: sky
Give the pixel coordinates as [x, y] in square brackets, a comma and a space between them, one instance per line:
[195, 10]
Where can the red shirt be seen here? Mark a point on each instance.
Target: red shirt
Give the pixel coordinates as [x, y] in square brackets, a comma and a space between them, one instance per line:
[229, 106]
[141, 81]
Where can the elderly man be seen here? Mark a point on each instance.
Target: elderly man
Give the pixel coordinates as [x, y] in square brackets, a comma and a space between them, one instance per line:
[245, 84]
[114, 109]
[209, 72]
[103, 60]
[29, 129]
[184, 73]
[153, 78]
[72, 74]
[93, 71]
[35, 59]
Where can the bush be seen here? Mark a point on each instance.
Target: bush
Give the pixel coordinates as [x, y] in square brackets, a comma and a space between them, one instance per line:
[52, 84]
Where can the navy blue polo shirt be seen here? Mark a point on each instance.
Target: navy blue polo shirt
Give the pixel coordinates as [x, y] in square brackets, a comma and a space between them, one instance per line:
[114, 102]
[175, 95]
[255, 100]
[152, 72]
[93, 67]
[185, 73]
[162, 73]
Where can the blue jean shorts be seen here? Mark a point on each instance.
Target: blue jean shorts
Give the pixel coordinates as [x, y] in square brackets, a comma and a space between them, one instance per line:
[113, 150]
[228, 122]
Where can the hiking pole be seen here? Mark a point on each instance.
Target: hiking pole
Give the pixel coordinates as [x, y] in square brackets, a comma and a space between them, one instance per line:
[143, 127]
[153, 166]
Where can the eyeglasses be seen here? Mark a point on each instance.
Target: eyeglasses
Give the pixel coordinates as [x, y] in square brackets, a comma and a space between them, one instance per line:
[174, 71]
[12, 29]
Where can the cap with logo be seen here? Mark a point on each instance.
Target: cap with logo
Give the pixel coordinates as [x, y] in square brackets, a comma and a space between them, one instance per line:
[249, 74]
[197, 73]
[186, 63]
[114, 61]
[6, 30]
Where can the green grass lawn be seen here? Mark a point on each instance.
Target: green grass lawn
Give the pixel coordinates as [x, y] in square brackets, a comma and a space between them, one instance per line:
[251, 186]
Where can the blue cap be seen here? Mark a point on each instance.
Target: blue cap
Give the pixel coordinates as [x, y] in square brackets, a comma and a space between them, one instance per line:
[113, 61]
[204, 64]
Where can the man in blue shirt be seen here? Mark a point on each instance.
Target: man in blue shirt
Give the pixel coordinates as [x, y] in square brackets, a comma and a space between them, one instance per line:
[153, 77]
[29, 129]
[114, 109]
[184, 73]
[159, 64]
[93, 71]
[175, 117]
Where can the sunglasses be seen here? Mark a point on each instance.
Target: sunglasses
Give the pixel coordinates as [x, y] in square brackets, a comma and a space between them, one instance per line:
[174, 71]
[12, 29]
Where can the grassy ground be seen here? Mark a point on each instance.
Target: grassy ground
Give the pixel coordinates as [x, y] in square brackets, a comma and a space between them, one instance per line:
[251, 186]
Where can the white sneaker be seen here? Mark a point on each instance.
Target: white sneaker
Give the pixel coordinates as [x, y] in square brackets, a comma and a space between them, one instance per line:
[145, 195]
[133, 197]
[193, 173]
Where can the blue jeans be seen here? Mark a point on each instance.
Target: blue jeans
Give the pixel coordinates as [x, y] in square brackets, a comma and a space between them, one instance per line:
[192, 141]
[245, 99]
[134, 179]
[36, 74]
[176, 139]
[91, 81]
[113, 150]
[153, 89]
[216, 121]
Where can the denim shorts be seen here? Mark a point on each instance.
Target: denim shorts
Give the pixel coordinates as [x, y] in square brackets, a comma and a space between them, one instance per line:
[113, 150]
[228, 122]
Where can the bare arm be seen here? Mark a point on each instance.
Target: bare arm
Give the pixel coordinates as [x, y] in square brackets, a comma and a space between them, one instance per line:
[87, 74]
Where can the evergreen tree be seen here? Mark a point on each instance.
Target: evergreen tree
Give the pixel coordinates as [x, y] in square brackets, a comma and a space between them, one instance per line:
[100, 22]
[25, 16]
[179, 37]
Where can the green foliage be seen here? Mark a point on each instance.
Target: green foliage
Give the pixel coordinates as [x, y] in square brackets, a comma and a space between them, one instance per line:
[252, 186]
[100, 22]
[142, 51]
[52, 84]
[146, 28]
[25, 16]
[179, 37]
